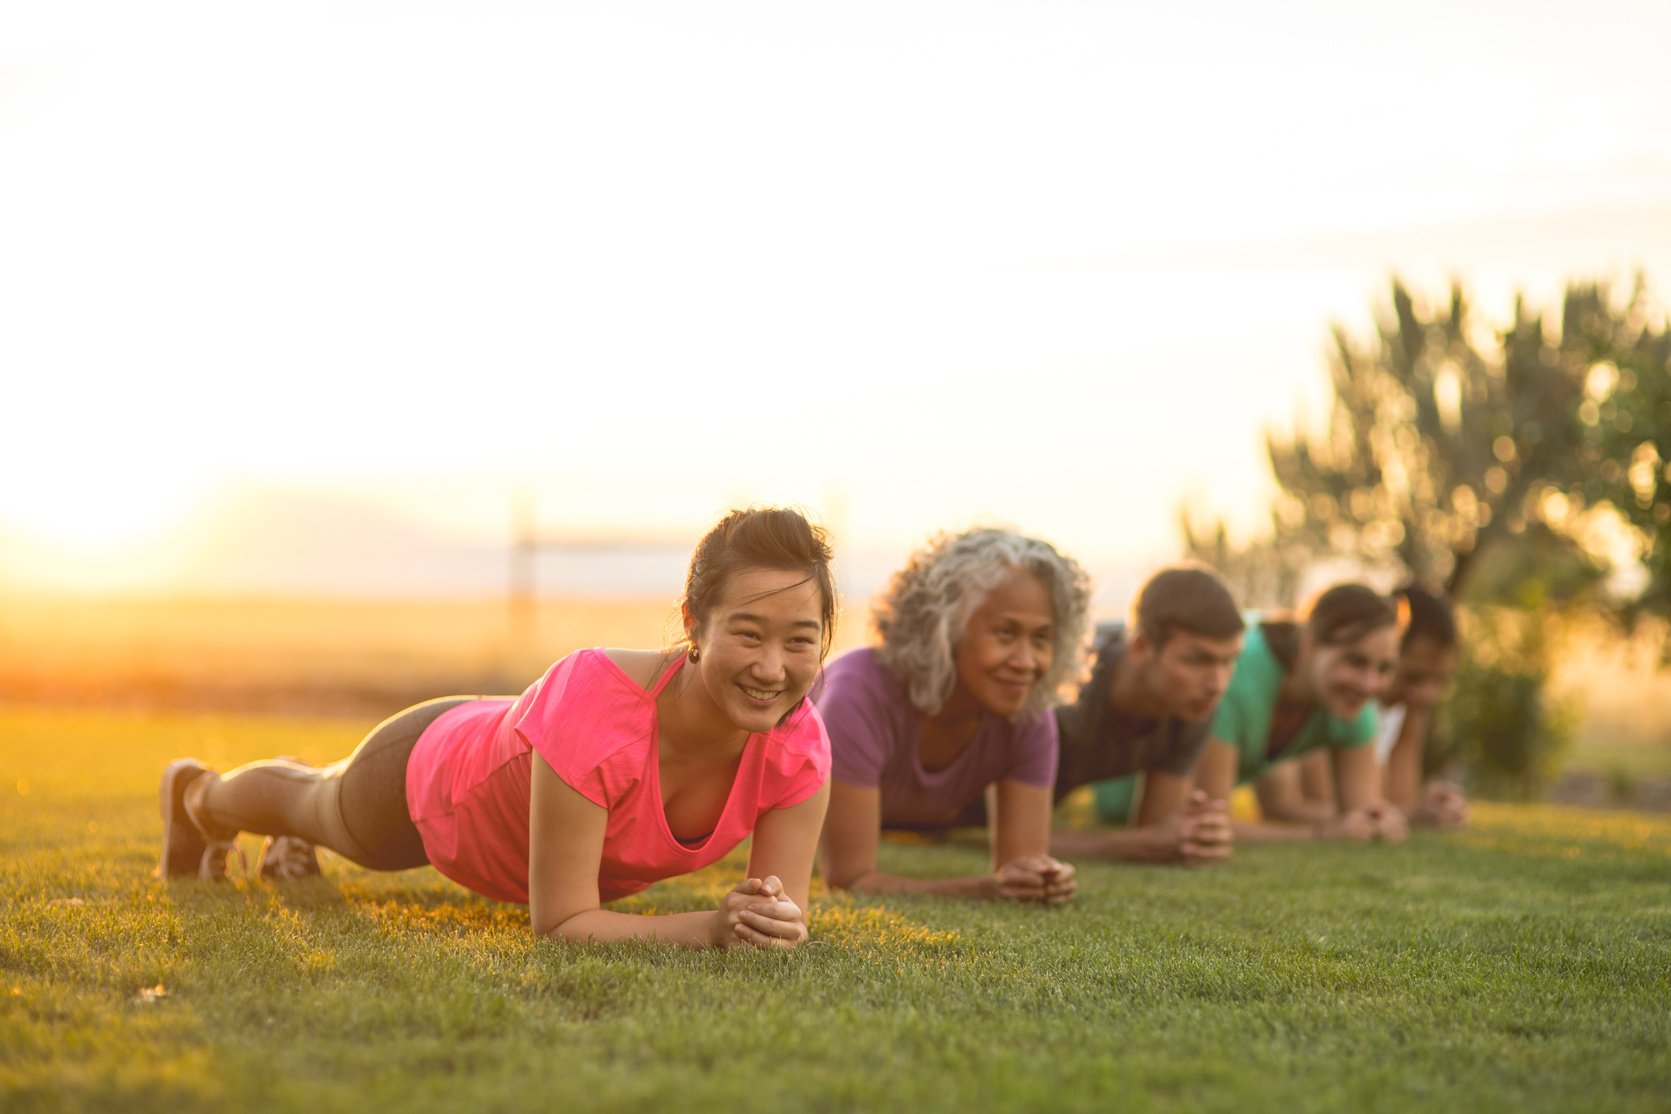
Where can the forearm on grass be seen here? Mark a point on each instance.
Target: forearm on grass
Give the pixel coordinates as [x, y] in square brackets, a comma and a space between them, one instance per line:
[848, 851]
[1297, 812]
[1251, 832]
[881, 882]
[1134, 845]
[1282, 801]
[692, 930]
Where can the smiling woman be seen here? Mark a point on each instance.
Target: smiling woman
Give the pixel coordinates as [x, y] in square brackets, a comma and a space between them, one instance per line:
[1304, 687]
[614, 770]
[979, 631]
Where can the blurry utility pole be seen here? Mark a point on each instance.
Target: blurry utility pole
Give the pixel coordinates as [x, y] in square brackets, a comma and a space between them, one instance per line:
[526, 544]
[613, 557]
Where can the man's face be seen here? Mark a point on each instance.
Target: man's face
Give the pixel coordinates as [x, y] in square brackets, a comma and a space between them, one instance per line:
[1189, 674]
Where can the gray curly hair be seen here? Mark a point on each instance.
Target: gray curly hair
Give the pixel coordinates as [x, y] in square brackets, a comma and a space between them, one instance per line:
[926, 609]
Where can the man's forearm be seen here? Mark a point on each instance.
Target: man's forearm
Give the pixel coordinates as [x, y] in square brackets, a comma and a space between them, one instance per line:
[1132, 845]
[878, 882]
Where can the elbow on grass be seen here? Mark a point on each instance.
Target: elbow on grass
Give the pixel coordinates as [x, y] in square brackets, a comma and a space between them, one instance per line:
[852, 881]
[559, 928]
[838, 879]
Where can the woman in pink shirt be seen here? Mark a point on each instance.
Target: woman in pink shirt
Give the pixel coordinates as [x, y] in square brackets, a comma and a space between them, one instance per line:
[614, 770]
[979, 632]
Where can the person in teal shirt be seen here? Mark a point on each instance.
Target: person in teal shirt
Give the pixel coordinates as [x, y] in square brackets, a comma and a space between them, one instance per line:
[1427, 661]
[1303, 687]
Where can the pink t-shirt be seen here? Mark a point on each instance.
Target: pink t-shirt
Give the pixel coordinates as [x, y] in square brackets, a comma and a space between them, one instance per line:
[467, 782]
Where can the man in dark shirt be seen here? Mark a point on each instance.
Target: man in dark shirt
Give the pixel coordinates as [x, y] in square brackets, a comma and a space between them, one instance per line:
[1145, 714]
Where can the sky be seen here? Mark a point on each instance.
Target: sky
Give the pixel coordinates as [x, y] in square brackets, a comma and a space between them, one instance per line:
[914, 266]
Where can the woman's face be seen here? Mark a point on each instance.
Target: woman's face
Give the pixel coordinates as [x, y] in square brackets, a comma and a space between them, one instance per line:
[759, 645]
[1425, 669]
[1351, 674]
[1008, 645]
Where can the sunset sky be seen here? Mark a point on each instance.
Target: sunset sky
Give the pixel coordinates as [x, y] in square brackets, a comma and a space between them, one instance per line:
[912, 265]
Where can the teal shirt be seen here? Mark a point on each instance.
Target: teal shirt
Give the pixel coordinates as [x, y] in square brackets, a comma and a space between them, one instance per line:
[1244, 715]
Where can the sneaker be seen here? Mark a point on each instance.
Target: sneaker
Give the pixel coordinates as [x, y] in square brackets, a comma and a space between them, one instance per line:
[286, 859]
[187, 850]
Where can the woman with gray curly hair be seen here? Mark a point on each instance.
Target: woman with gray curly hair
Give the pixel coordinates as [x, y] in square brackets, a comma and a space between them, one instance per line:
[980, 631]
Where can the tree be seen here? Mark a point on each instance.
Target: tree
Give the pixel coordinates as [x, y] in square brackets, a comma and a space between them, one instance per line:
[1443, 438]
[1627, 413]
[1262, 574]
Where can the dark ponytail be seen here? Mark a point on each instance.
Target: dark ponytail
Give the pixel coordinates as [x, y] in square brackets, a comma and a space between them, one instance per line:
[1432, 617]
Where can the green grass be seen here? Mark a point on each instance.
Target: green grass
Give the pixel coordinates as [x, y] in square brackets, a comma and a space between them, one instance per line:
[1523, 965]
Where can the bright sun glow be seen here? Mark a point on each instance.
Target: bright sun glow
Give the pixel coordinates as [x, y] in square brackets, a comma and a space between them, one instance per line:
[1055, 266]
[92, 517]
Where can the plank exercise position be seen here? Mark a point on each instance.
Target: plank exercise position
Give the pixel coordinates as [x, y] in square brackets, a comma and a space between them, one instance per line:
[978, 633]
[1427, 660]
[615, 769]
[1305, 687]
[1142, 719]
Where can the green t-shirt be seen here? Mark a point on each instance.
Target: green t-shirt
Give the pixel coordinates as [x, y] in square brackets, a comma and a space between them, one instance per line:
[1244, 715]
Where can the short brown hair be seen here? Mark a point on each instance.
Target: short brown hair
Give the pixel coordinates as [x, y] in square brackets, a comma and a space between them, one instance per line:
[1189, 598]
[760, 538]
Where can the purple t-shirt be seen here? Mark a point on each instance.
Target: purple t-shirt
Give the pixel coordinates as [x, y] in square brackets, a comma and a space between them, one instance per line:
[874, 734]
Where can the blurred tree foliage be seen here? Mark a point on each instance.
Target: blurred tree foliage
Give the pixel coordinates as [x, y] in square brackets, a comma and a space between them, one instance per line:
[1264, 574]
[1446, 437]
[1627, 411]
[1504, 465]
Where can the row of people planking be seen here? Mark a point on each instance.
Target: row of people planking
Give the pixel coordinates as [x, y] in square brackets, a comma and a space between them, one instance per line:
[618, 768]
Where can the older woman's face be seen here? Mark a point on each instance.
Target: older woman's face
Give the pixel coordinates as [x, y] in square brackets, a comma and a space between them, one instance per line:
[1008, 645]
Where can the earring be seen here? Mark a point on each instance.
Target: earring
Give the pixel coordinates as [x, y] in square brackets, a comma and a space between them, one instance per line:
[695, 655]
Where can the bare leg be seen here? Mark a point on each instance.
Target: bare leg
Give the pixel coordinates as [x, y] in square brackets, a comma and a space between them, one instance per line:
[356, 807]
[277, 797]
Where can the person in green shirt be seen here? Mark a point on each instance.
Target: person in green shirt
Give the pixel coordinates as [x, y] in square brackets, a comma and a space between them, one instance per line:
[1427, 661]
[1306, 686]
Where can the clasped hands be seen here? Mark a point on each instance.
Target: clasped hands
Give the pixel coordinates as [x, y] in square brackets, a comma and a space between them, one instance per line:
[758, 912]
[1039, 879]
[1379, 821]
[1200, 834]
[1442, 805]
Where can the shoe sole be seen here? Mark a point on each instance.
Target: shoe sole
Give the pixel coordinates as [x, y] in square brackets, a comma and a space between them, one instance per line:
[182, 847]
[266, 868]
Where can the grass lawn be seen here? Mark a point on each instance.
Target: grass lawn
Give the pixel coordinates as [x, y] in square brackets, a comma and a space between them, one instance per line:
[1523, 965]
